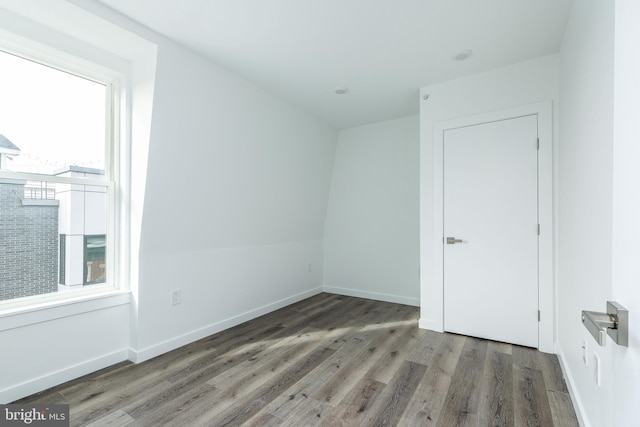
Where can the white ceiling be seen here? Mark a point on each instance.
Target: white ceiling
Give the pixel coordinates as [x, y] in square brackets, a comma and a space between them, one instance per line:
[382, 50]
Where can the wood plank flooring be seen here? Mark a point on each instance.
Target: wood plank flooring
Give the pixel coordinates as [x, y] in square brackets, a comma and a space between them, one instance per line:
[329, 360]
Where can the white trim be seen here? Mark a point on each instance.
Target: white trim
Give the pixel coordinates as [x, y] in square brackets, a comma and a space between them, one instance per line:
[120, 158]
[28, 176]
[67, 304]
[546, 327]
[38, 48]
[426, 324]
[398, 299]
[61, 376]
[147, 353]
[573, 393]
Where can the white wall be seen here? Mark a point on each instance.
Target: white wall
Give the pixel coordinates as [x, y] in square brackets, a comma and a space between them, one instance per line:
[585, 198]
[235, 203]
[43, 348]
[524, 83]
[371, 240]
[236, 197]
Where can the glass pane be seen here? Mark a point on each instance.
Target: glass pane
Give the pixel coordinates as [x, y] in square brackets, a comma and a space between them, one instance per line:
[52, 236]
[49, 119]
[95, 259]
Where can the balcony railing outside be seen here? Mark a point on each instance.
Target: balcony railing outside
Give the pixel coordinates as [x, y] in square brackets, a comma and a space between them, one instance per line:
[40, 190]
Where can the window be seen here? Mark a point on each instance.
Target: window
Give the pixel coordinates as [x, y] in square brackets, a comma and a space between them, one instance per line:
[95, 256]
[57, 180]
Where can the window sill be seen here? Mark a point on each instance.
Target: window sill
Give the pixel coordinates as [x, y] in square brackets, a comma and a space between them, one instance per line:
[16, 316]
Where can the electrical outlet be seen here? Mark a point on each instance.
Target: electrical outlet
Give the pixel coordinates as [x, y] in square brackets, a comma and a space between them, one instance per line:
[596, 369]
[176, 297]
[585, 359]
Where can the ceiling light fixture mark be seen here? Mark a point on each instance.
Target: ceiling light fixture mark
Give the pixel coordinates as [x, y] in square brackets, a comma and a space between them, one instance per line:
[461, 56]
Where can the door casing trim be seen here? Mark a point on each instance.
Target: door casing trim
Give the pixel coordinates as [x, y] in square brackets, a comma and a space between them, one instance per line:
[546, 288]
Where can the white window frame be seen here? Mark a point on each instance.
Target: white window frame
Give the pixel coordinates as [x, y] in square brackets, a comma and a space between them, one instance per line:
[116, 169]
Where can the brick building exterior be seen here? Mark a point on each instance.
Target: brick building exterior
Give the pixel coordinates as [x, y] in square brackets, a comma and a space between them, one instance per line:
[28, 242]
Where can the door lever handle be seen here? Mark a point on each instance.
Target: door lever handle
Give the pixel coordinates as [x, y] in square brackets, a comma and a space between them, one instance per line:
[453, 240]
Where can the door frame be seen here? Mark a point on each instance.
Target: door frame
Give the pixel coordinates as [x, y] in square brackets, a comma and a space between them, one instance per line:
[546, 288]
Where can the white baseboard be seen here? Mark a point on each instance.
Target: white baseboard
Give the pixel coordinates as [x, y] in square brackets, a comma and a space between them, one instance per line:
[147, 353]
[372, 295]
[575, 399]
[430, 324]
[52, 379]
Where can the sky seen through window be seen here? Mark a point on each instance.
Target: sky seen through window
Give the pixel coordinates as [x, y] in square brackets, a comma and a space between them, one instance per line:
[57, 119]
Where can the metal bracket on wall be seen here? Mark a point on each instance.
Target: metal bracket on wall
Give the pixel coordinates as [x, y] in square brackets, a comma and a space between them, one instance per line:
[615, 323]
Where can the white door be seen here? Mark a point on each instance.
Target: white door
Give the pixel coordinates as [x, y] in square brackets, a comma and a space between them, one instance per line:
[491, 210]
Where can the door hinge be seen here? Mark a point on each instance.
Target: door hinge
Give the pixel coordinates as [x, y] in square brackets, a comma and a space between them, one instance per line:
[538, 315]
[538, 143]
[538, 229]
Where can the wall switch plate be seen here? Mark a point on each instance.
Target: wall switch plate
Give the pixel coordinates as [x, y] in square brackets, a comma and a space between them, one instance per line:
[176, 297]
[596, 369]
[309, 267]
[585, 359]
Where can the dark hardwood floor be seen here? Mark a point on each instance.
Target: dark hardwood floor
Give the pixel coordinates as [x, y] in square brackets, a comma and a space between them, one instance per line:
[329, 360]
